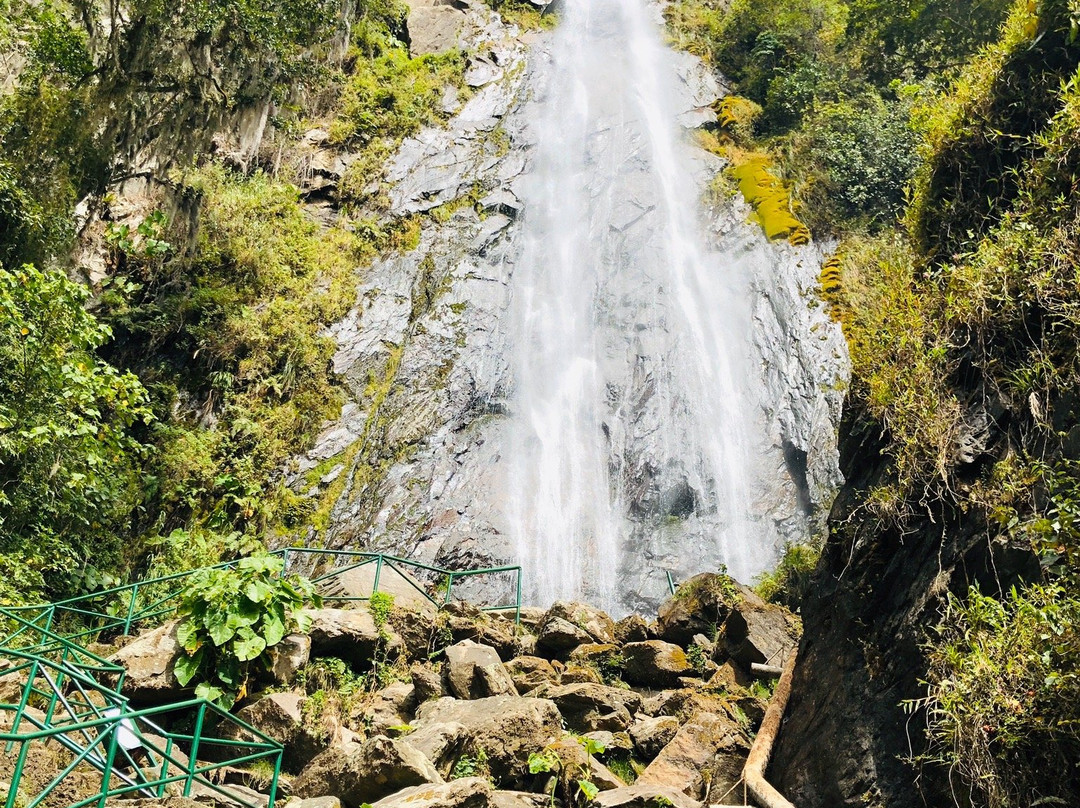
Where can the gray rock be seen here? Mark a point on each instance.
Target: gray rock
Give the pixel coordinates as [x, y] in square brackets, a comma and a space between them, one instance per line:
[149, 660]
[651, 735]
[441, 743]
[393, 706]
[588, 707]
[475, 671]
[531, 672]
[508, 728]
[427, 683]
[467, 792]
[655, 663]
[698, 607]
[681, 762]
[760, 632]
[378, 767]
[288, 657]
[631, 628]
[280, 716]
[520, 799]
[568, 625]
[350, 634]
[559, 636]
[644, 796]
[433, 27]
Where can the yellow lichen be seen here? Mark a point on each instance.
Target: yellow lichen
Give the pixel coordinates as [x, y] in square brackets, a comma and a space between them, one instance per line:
[770, 198]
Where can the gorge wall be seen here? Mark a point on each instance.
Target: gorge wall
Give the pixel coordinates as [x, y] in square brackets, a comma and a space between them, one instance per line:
[421, 460]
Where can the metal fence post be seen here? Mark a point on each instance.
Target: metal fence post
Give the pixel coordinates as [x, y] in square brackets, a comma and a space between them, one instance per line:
[110, 758]
[378, 572]
[517, 608]
[16, 777]
[193, 760]
[131, 609]
[449, 585]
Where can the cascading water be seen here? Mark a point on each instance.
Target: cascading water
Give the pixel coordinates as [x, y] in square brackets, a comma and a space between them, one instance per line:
[635, 402]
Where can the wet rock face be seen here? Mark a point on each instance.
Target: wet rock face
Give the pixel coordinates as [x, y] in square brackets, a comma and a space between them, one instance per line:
[417, 463]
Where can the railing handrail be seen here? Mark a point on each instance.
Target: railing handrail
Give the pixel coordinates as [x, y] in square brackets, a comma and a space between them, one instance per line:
[79, 666]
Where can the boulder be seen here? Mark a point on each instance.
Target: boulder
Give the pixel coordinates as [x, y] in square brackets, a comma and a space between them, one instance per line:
[281, 716]
[149, 660]
[474, 671]
[760, 632]
[357, 774]
[613, 742]
[631, 628]
[604, 657]
[467, 792]
[434, 27]
[507, 728]
[682, 761]
[644, 796]
[314, 802]
[576, 674]
[531, 672]
[576, 762]
[651, 735]
[393, 706]
[655, 663]
[442, 744]
[350, 634]
[588, 707]
[414, 623]
[532, 616]
[427, 683]
[465, 621]
[288, 657]
[568, 625]
[730, 677]
[520, 799]
[700, 605]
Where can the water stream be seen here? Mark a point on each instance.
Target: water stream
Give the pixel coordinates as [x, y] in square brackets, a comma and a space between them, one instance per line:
[636, 404]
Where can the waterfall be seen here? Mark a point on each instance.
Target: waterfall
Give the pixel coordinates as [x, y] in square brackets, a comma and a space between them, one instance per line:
[636, 404]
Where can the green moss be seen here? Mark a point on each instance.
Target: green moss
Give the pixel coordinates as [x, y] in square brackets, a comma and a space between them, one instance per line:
[770, 198]
[524, 14]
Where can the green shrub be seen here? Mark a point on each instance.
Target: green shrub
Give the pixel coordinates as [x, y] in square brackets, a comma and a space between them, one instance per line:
[790, 581]
[230, 617]
[1004, 695]
[859, 155]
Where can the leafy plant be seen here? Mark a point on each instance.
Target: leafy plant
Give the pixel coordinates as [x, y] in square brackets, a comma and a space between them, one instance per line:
[1003, 696]
[230, 617]
[471, 765]
[587, 789]
[697, 658]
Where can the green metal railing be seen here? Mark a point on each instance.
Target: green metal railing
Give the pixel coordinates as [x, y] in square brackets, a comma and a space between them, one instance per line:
[70, 706]
[127, 606]
[71, 700]
[404, 567]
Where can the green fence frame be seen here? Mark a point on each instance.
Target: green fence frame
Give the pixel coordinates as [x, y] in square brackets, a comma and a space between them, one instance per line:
[93, 621]
[84, 708]
[84, 716]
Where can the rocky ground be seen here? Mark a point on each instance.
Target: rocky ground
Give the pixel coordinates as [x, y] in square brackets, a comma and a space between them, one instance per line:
[454, 707]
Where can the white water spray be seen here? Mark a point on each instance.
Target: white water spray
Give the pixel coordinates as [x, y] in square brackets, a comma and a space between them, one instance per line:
[635, 403]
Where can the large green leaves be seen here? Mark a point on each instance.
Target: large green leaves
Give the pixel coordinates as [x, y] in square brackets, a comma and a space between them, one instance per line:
[231, 616]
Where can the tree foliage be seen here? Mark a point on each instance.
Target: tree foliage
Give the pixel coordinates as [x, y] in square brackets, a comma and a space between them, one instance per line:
[68, 459]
